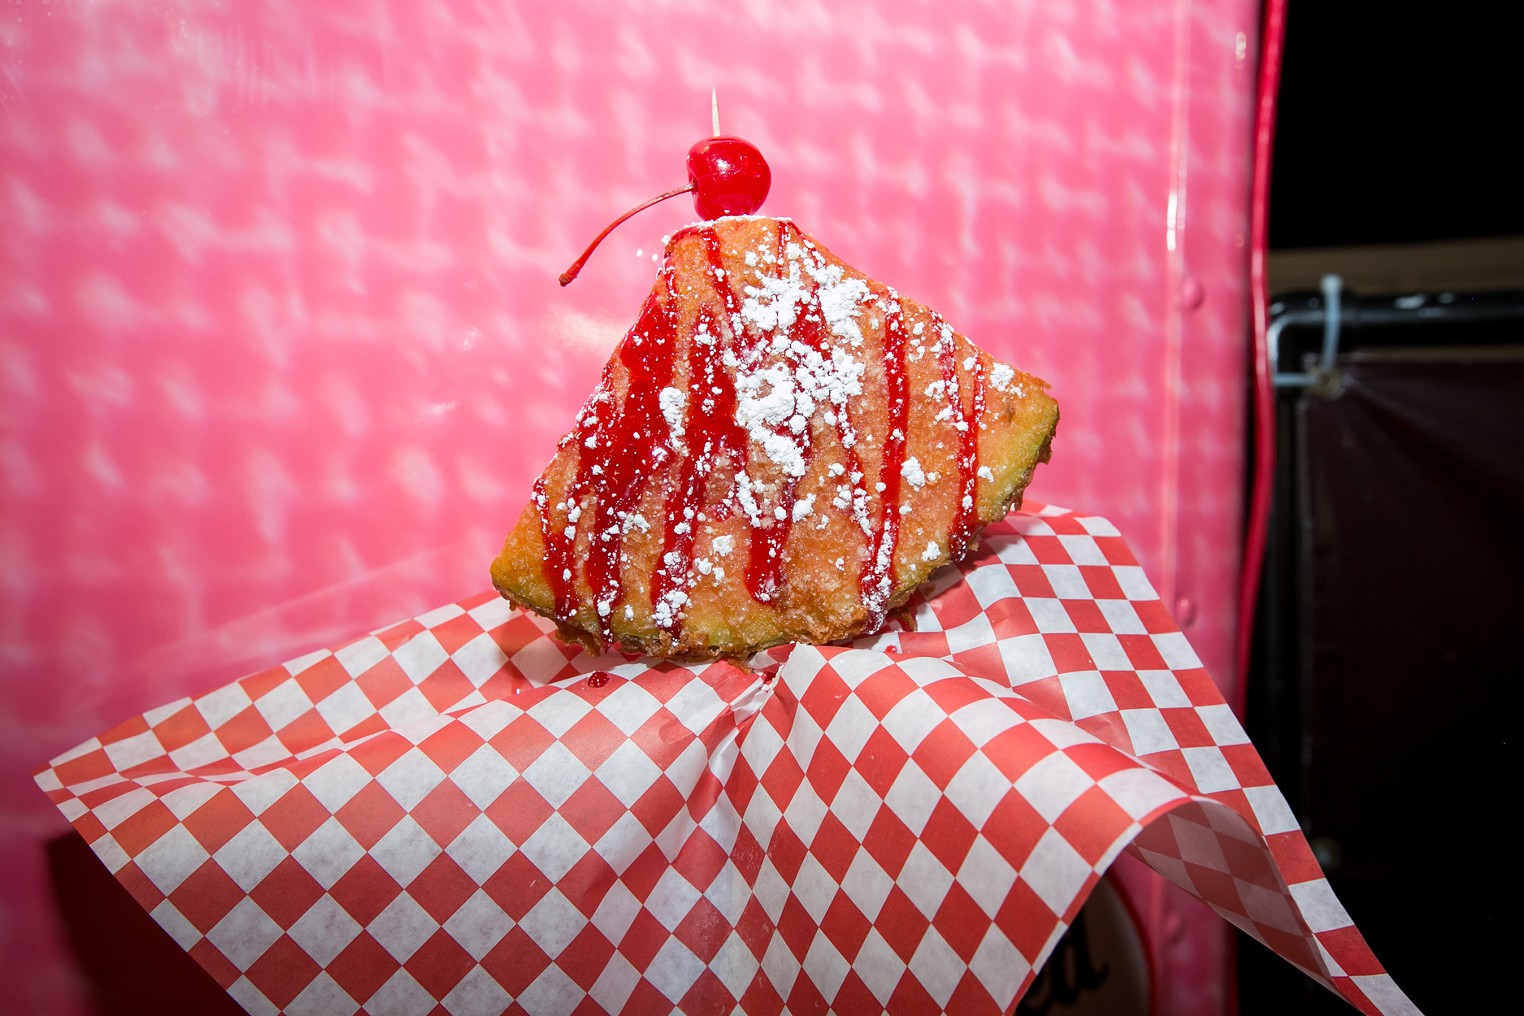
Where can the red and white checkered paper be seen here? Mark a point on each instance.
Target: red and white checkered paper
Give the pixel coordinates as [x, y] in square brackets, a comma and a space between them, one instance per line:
[462, 814]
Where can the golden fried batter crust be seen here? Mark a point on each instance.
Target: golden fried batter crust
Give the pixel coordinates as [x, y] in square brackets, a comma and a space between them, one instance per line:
[781, 449]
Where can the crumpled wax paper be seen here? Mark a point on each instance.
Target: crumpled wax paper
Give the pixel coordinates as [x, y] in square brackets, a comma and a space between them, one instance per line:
[461, 813]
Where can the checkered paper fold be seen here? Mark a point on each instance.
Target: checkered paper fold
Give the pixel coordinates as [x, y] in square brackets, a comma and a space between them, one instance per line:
[462, 814]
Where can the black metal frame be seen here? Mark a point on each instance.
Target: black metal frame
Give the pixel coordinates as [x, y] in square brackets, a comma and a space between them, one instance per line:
[1318, 340]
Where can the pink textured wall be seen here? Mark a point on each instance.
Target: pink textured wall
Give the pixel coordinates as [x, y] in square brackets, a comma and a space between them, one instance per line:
[281, 344]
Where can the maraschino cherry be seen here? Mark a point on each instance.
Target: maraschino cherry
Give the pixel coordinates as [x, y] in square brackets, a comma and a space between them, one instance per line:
[727, 176]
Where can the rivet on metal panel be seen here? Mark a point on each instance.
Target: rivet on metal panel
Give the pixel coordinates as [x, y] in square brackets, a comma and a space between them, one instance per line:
[1174, 926]
[1191, 293]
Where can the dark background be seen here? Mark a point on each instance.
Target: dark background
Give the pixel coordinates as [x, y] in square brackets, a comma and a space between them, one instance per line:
[1396, 123]
[1391, 575]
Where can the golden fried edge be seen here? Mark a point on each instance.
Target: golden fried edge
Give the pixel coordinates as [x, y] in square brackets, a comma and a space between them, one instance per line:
[1016, 436]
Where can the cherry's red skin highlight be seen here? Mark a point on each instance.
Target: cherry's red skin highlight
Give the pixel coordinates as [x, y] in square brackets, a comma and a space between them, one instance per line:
[729, 176]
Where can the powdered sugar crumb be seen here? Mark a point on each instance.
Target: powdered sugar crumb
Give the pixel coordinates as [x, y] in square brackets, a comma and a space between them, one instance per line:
[911, 471]
[783, 382]
[673, 402]
[668, 610]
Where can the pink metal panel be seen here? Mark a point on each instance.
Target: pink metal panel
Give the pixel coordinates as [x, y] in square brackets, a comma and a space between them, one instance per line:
[281, 345]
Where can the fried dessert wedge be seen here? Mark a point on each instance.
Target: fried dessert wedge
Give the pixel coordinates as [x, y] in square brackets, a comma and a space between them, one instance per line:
[780, 450]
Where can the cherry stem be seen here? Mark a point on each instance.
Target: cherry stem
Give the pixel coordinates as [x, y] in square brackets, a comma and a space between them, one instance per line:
[571, 273]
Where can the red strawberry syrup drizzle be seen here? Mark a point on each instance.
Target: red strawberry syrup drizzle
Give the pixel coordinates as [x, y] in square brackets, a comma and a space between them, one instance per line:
[621, 446]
